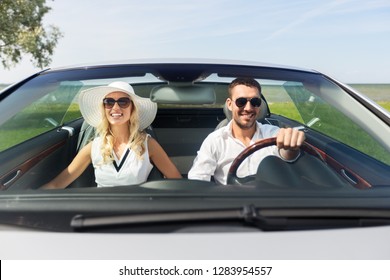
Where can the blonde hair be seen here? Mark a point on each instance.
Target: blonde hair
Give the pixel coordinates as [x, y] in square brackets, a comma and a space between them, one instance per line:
[136, 137]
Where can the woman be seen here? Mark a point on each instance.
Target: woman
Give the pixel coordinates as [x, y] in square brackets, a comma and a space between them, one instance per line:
[122, 152]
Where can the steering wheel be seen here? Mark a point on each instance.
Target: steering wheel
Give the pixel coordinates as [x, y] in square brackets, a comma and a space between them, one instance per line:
[232, 174]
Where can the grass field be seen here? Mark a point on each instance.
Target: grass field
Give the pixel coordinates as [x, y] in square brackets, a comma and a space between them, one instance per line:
[376, 92]
[385, 104]
[380, 93]
[336, 125]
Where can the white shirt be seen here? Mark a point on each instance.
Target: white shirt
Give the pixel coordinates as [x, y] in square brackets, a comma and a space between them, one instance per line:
[127, 170]
[220, 148]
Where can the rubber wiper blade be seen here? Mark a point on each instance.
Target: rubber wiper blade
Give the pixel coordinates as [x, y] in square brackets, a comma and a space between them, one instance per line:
[316, 218]
[248, 214]
[264, 219]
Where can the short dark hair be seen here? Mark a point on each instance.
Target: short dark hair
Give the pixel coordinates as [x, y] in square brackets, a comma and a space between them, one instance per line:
[249, 82]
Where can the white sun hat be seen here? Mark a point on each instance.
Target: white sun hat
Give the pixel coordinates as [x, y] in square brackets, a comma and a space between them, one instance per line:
[91, 100]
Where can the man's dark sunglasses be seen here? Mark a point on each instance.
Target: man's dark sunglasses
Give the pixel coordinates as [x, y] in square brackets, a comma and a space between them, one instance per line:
[241, 102]
[123, 102]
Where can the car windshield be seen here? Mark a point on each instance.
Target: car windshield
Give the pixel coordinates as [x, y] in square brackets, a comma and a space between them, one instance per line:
[344, 164]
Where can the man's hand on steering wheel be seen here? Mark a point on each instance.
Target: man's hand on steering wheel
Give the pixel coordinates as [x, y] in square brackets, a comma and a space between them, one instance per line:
[288, 141]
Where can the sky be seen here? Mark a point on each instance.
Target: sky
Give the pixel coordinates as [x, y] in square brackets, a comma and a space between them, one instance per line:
[346, 39]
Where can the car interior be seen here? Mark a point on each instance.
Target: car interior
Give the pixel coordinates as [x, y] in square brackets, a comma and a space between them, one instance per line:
[188, 111]
[181, 125]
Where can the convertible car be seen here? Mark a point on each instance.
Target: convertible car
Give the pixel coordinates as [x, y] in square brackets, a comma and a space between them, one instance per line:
[333, 202]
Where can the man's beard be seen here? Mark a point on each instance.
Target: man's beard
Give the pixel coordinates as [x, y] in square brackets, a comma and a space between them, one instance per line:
[245, 126]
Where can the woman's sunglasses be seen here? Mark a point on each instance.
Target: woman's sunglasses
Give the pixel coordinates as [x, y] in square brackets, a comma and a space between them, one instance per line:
[241, 102]
[123, 102]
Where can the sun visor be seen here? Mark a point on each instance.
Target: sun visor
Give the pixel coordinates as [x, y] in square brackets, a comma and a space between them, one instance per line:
[183, 94]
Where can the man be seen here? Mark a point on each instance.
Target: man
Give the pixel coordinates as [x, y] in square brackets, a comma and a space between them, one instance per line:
[222, 146]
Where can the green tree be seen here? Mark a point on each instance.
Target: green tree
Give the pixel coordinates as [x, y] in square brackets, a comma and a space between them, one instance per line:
[21, 32]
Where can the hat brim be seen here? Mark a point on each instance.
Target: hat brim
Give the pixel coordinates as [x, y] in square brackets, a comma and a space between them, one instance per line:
[90, 102]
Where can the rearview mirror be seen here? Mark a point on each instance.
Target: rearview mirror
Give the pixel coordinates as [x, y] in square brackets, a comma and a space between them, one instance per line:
[183, 94]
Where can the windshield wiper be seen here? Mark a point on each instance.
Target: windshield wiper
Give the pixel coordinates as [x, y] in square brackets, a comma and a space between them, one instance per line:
[264, 219]
[247, 213]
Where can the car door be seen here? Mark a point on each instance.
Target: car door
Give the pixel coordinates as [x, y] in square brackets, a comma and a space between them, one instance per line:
[39, 137]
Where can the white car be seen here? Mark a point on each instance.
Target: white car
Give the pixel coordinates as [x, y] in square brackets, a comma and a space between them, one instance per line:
[332, 203]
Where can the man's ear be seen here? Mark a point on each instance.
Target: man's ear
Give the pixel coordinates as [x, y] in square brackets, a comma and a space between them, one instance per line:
[229, 104]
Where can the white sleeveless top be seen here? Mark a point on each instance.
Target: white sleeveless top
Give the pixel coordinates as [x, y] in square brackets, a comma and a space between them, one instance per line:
[127, 170]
